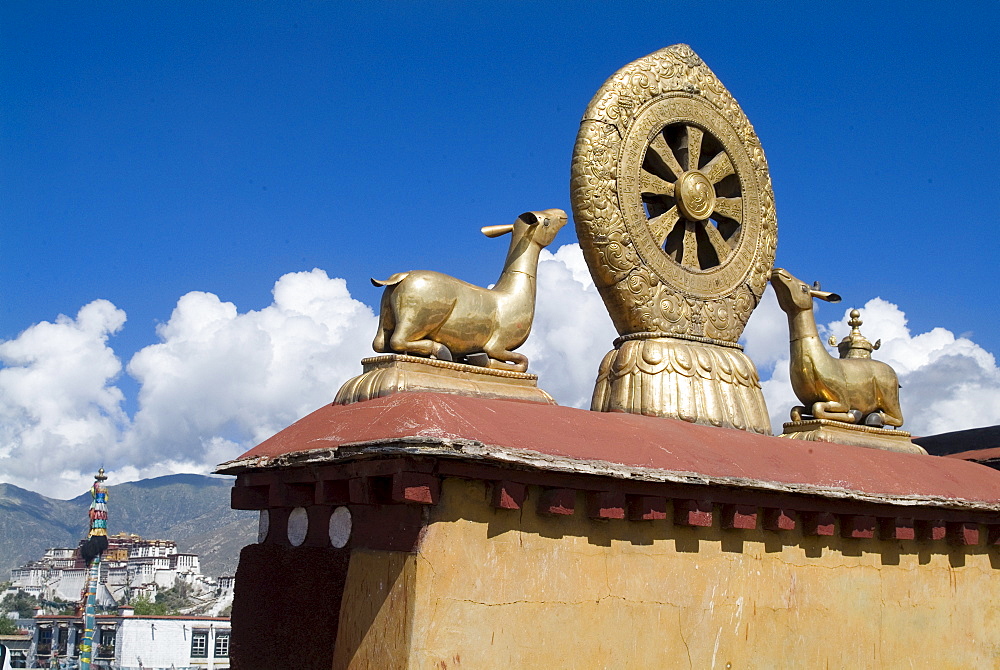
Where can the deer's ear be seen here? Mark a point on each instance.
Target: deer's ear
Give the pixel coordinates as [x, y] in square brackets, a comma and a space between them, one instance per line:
[497, 231]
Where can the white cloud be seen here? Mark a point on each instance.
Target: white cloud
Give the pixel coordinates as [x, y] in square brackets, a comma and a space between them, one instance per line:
[765, 338]
[217, 382]
[220, 380]
[57, 398]
[948, 382]
[572, 330]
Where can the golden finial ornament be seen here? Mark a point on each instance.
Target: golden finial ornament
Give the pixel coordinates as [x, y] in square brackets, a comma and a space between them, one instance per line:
[854, 344]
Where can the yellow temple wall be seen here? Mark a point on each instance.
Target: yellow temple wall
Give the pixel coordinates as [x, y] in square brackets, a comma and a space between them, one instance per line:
[494, 588]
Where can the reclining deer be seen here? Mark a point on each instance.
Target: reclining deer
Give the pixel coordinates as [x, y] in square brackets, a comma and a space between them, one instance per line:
[431, 314]
[840, 389]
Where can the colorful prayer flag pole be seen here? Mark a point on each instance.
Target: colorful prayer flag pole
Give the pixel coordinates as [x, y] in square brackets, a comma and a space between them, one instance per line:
[97, 542]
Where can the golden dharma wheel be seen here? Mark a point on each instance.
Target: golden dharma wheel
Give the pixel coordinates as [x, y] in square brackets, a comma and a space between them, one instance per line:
[673, 201]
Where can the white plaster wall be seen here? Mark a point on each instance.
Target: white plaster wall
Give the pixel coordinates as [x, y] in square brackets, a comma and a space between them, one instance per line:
[165, 578]
[69, 584]
[158, 642]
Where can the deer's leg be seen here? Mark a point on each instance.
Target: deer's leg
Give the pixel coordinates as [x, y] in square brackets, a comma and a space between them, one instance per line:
[835, 411]
[797, 412]
[888, 419]
[408, 339]
[381, 337]
[892, 414]
[422, 347]
[499, 360]
[416, 318]
[386, 323]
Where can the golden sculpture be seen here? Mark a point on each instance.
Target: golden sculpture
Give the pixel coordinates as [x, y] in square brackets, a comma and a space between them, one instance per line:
[851, 390]
[849, 399]
[854, 344]
[675, 214]
[430, 314]
[446, 335]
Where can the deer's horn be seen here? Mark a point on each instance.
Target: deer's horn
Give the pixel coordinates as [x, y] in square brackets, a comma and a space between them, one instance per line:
[825, 295]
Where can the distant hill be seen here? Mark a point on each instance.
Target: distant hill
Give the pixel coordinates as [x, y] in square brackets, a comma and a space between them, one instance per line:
[192, 510]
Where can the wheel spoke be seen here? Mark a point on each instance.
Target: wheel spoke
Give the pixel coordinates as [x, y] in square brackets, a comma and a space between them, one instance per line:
[661, 225]
[690, 257]
[722, 248]
[694, 137]
[731, 208]
[718, 168]
[665, 155]
[650, 183]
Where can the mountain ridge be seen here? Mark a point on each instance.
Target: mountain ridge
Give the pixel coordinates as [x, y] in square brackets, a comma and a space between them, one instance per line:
[192, 510]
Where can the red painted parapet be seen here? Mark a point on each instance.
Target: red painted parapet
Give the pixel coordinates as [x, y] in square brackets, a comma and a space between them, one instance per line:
[392, 489]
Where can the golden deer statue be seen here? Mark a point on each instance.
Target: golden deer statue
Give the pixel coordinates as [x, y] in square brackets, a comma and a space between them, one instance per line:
[426, 313]
[850, 390]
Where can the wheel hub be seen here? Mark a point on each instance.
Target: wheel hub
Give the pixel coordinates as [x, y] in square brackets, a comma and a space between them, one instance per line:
[695, 195]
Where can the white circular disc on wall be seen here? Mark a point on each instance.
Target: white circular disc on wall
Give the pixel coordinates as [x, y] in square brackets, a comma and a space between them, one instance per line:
[298, 526]
[263, 523]
[340, 527]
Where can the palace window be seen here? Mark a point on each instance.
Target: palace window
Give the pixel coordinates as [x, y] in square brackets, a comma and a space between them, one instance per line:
[44, 641]
[222, 644]
[105, 642]
[199, 644]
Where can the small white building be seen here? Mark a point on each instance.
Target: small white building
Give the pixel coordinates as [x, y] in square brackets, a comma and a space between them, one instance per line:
[60, 557]
[128, 642]
[32, 574]
[226, 584]
[186, 563]
[152, 548]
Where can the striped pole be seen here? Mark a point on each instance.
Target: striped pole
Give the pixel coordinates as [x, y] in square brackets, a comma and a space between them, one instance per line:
[97, 542]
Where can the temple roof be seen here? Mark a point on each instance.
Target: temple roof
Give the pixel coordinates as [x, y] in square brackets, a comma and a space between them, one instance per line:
[557, 438]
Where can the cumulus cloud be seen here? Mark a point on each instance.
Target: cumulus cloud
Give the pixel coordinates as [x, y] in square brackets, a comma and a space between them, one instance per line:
[58, 399]
[220, 380]
[572, 330]
[216, 383]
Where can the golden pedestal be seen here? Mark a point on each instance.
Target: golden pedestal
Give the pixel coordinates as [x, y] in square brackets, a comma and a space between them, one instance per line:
[395, 373]
[699, 382]
[824, 430]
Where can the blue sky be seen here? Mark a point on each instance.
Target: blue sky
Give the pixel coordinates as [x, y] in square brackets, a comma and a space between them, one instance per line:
[150, 150]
